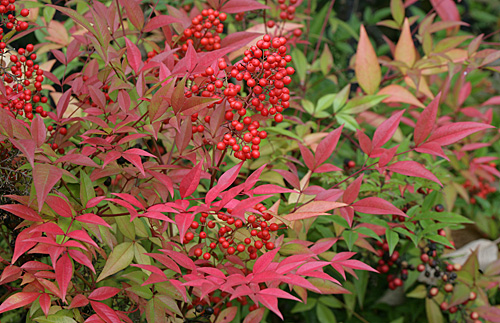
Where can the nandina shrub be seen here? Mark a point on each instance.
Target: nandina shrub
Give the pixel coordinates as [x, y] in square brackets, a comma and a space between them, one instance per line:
[140, 196]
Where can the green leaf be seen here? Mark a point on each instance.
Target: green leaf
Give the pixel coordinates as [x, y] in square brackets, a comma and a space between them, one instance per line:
[419, 292]
[308, 106]
[120, 258]
[439, 239]
[284, 132]
[140, 254]
[300, 63]
[398, 11]
[350, 238]
[392, 240]
[341, 98]
[332, 302]
[325, 101]
[433, 311]
[368, 232]
[55, 319]
[304, 307]
[324, 314]
[87, 191]
[326, 60]
[125, 226]
[360, 104]
[361, 285]
[444, 217]
[347, 120]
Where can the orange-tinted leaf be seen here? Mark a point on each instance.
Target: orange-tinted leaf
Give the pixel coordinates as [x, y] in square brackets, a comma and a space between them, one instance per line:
[405, 49]
[399, 94]
[366, 66]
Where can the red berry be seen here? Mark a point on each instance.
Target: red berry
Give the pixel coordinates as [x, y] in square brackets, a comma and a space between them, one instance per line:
[25, 12]
[198, 252]
[206, 256]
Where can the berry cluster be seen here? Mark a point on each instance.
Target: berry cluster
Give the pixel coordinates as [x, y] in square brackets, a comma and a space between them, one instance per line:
[232, 236]
[204, 31]
[394, 264]
[287, 12]
[12, 21]
[482, 190]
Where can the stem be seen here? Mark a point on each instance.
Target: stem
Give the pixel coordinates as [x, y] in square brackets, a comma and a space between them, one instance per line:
[316, 51]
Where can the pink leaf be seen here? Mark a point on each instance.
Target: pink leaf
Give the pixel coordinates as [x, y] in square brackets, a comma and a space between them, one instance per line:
[78, 301]
[446, 9]
[254, 177]
[190, 182]
[129, 198]
[352, 191]
[328, 145]
[432, 148]
[133, 55]
[183, 222]
[386, 130]
[271, 302]
[93, 219]
[426, 120]
[276, 292]
[82, 236]
[64, 273]
[412, 168]
[376, 205]
[59, 205]
[271, 189]
[77, 159]
[453, 132]
[45, 177]
[45, 303]
[327, 168]
[103, 293]
[224, 182]
[63, 103]
[160, 21]
[136, 161]
[236, 6]
[27, 147]
[81, 258]
[180, 258]
[104, 311]
[308, 157]
[18, 300]
[364, 142]
[49, 227]
[255, 316]
[38, 131]
[264, 261]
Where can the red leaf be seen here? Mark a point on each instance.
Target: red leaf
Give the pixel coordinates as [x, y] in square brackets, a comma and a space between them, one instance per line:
[78, 301]
[236, 6]
[64, 273]
[271, 189]
[22, 211]
[63, 103]
[82, 236]
[180, 258]
[38, 131]
[129, 198]
[45, 177]
[426, 120]
[224, 182]
[276, 292]
[104, 311]
[290, 177]
[432, 148]
[183, 222]
[412, 168]
[103, 293]
[386, 130]
[27, 147]
[93, 219]
[136, 161]
[376, 205]
[134, 13]
[190, 182]
[134, 57]
[59, 205]
[352, 191]
[45, 303]
[49, 227]
[77, 159]
[264, 261]
[22, 245]
[227, 315]
[81, 258]
[364, 142]
[18, 300]
[308, 157]
[160, 21]
[254, 177]
[165, 180]
[327, 145]
[327, 168]
[271, 303]
[453, 132]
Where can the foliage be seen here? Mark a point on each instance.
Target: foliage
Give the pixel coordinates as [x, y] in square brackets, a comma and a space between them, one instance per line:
[196, 163]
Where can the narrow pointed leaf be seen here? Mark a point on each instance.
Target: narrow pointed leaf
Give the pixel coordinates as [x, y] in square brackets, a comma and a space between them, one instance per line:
[454, 132]
[412, 168]
[386, 130]
[367, 68]
[426, 120]
[45, 176]
[376, 205]
[120, 258]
